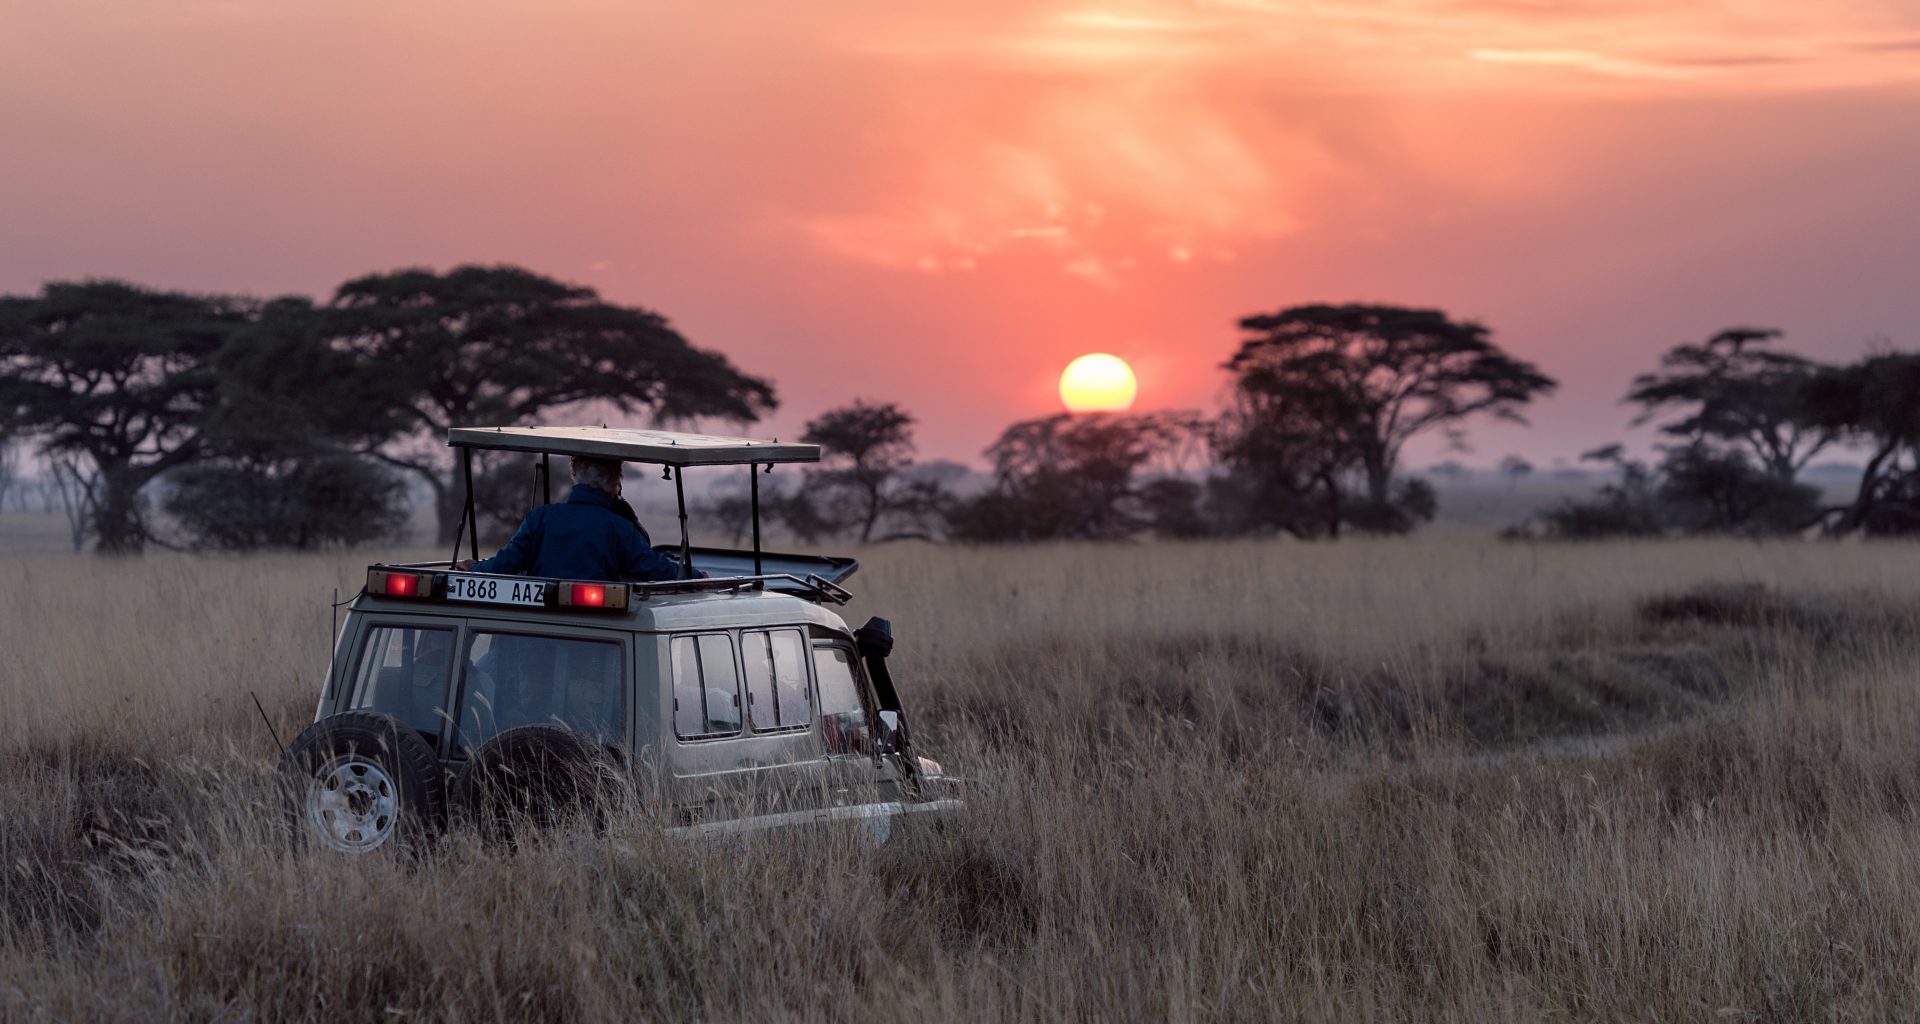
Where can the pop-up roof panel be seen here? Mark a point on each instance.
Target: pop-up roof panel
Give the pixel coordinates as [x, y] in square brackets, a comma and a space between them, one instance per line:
[660, 447]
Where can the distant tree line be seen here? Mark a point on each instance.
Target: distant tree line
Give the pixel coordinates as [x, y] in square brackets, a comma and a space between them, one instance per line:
[287, 422]
[1742, 421]
[1324, 401]
[293, 423]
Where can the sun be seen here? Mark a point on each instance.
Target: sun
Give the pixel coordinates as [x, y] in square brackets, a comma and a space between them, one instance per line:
[1098, 382]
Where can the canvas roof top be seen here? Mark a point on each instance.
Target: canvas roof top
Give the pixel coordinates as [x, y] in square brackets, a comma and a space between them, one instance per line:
[660, 447]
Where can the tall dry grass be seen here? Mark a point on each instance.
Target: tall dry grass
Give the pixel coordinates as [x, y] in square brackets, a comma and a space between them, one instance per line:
[1393, 780]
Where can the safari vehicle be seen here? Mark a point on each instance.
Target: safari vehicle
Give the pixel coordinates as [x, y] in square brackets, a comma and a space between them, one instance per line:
[731, 701]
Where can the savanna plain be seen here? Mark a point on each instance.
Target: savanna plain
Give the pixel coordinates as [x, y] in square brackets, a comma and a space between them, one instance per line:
[1400, 780]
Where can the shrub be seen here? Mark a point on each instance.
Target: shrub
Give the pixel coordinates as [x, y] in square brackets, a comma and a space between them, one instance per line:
[303, 504]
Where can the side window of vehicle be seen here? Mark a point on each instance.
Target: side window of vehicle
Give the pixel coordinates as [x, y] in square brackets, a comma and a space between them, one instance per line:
[776, 674]
[516, 679]
[843, 722]
[706, 686]
[404, 673]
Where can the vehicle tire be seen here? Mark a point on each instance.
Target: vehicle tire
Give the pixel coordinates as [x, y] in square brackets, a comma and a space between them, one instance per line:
[536, 775]
[360, 781]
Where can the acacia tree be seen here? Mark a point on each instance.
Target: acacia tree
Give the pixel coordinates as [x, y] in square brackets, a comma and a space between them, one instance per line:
[1732, 392]
[1283, 462]
[865, 449]
[113, 380]
[1875, 401]
[483, 345]
[1375, 377]
[279, 465]
[1515, 468]
[1070, 476]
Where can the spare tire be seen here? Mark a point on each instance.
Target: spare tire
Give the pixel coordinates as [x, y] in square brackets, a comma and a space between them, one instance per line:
[359, 781]
[533, 774]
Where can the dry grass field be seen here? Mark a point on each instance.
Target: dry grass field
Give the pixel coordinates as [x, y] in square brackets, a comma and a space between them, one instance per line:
[1375, 780]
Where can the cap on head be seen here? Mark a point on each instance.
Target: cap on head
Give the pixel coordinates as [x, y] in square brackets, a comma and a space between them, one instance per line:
[603, 474]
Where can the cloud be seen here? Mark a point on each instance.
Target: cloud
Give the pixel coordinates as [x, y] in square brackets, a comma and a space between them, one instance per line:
[1170, 118]
[1099, 178]
[1598, 63]
[1902, 44]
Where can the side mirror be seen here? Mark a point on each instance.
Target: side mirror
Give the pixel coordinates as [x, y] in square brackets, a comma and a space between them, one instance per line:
[893, 732]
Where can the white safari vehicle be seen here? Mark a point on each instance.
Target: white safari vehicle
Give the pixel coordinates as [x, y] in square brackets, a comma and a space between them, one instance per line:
[730, 701]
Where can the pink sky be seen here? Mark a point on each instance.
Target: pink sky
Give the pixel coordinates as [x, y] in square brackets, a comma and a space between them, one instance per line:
[941, 203]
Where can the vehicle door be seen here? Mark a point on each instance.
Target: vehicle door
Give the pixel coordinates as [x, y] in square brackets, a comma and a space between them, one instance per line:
[856, 771]
[402, 666]
[515, 673]
[741, 728]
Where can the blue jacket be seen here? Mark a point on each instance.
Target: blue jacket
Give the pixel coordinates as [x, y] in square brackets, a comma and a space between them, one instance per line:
[583, 539]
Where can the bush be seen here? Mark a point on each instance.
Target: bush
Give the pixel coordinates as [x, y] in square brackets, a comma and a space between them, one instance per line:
[1614, 513]
[1695, 489]
[315, 502]
[1721, 491]
[1173, 508]
[1895, 511]
[1414, 501]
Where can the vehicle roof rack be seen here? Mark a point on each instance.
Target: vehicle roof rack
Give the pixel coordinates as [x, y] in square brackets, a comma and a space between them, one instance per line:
[658, 447]
[676, 451]
[808, 585]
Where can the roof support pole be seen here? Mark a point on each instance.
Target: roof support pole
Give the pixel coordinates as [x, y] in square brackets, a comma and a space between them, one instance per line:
[546, 478]
[686, 546]
[473, 521]
[753, 488]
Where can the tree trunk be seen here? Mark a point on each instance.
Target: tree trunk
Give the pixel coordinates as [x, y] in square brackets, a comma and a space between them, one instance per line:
[1334, 511]
[449, 505]
[873, 515]
[1863, 498]
[1379, 479]
[117, 523]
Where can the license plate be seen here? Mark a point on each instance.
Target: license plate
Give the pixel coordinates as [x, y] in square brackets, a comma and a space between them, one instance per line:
[488, 590]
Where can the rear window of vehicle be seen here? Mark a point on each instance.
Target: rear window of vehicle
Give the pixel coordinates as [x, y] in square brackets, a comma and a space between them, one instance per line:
[515, 679]
[706, 687]
[404, 672]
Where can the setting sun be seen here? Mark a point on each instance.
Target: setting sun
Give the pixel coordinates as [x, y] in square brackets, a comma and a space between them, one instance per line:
[1098, 383]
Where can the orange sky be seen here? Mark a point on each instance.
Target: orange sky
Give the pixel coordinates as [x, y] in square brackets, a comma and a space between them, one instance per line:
[941, 203]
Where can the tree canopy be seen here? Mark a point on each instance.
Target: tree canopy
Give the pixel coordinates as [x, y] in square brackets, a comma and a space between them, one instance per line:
[117, 374]
[1071, 476]
[483, 345]
[1730, 390]
[865, 446]
[1323, 389]
[262, 413]
[278, 465]
[1876, 402]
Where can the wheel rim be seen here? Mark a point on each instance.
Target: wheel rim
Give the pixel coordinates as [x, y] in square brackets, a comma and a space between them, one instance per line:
[353, 804]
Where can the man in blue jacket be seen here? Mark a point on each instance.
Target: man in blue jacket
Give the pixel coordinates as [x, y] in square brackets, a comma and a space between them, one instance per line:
[586, 538]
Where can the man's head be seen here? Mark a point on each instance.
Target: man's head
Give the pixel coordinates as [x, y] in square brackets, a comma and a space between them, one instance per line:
[603, 474]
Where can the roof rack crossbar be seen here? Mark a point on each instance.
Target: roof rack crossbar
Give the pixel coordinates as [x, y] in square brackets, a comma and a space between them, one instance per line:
[825, 590]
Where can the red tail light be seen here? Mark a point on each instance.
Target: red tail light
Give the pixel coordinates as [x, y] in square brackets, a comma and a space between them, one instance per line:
[606, 596]
[399, 584]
